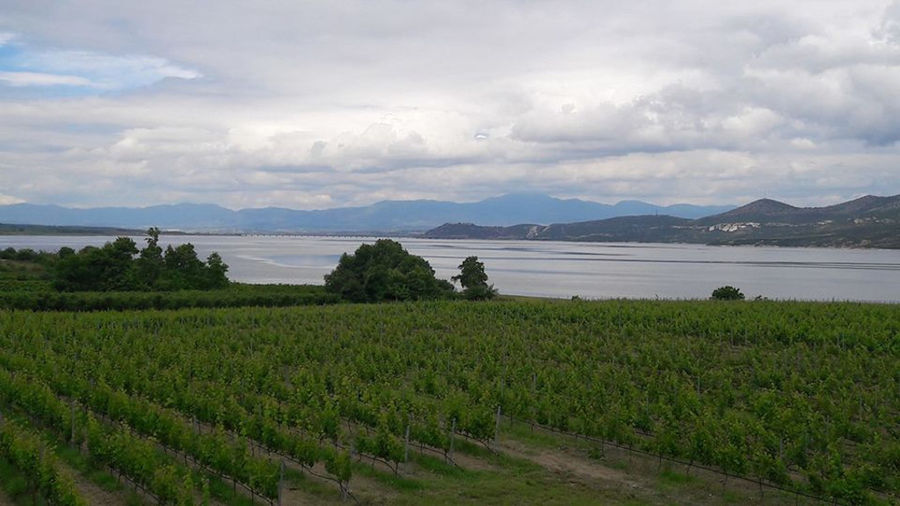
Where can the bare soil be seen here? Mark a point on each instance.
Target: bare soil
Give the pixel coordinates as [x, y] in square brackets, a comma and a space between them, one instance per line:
[643, 478]
[93, 493]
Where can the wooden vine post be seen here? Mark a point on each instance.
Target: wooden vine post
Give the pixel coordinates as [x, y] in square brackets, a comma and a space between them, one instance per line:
[281, 483]
[497, 428]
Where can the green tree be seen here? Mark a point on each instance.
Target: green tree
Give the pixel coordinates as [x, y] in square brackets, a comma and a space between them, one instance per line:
[727, 292]
[114, 267]
[182, 270]
[150, 262]
[118, 269]
[106, 268]
[385, 271]
[215, 271]
[473, 279]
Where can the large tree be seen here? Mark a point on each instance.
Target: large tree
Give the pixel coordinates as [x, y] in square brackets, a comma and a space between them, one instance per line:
[473, 279]
[385, 271]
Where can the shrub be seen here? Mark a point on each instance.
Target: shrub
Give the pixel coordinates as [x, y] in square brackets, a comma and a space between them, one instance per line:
[727, 292]
[385, 271]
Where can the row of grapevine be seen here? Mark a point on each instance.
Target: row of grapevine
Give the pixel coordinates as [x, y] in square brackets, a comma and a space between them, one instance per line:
[226, 454]
[35, 458]
[799, 394]
[115, 447]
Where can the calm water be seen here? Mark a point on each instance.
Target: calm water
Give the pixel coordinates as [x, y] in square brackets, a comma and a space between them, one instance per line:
[562, 269]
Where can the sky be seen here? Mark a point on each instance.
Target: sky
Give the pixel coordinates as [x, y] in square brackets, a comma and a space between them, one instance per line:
[312, 105]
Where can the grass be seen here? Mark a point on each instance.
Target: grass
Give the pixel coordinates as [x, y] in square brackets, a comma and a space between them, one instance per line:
[397, 482]
[437, 466]
[670, 477]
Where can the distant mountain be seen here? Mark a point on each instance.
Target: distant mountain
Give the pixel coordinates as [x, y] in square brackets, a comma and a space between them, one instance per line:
[385, 216]
[186, 216]
[7, 229]
[865, 222]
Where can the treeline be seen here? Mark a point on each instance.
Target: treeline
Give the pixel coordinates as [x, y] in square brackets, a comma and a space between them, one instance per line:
[118, 266]
[26, 255]
[114, 267]
[236, 295]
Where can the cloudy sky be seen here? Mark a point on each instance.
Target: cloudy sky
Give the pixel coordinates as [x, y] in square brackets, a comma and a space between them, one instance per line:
[323, 104]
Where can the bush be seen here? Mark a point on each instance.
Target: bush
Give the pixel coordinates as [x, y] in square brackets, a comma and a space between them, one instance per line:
[385, 271]
[234, 296]
[727, 292]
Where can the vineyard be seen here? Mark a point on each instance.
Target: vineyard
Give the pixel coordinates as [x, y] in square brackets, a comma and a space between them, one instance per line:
[802, 397]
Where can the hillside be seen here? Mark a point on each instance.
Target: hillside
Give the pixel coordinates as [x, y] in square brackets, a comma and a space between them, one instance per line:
[868, 221]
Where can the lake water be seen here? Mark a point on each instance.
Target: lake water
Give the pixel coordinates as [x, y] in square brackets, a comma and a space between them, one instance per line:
[564, 269]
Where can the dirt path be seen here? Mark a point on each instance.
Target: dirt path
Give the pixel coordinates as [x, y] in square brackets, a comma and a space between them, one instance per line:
[562, 462]
[640, 477]
[574, 468]
[93, 494]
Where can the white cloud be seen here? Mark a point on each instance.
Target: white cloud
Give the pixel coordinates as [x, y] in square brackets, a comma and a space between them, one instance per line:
[9, 199]
[108, 71]
[41, 79]
[324, 104]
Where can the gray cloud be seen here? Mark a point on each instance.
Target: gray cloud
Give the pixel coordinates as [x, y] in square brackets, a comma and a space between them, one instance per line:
[330, 104]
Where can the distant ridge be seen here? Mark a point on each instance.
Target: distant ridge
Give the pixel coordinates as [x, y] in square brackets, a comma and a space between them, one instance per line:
[868, 221]
[8, 229]
[767, 210]
[386, 216]
[756, 209]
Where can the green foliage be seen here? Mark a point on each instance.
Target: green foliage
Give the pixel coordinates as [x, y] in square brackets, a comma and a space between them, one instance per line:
[727, 292]
[113, 267]
[42, 298]
[473, 279]
[384, 271]
[800, 394]
[35, 458]
[28, 255]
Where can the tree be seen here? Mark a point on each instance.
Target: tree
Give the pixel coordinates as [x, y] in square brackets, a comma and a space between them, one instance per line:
[114, 267]
[118, 271]
[182, 269]
[215, 271]
[473, 279]
[150, 262]
[727, 292]
[106, 268]
[385, 271]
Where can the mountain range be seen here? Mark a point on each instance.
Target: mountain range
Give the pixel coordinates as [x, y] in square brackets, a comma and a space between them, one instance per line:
[868, 221]
[385, 216]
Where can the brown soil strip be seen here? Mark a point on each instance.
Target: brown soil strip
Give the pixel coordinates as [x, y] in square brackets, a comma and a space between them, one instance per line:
[639, 478]
[92, 492]
[4, 500]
